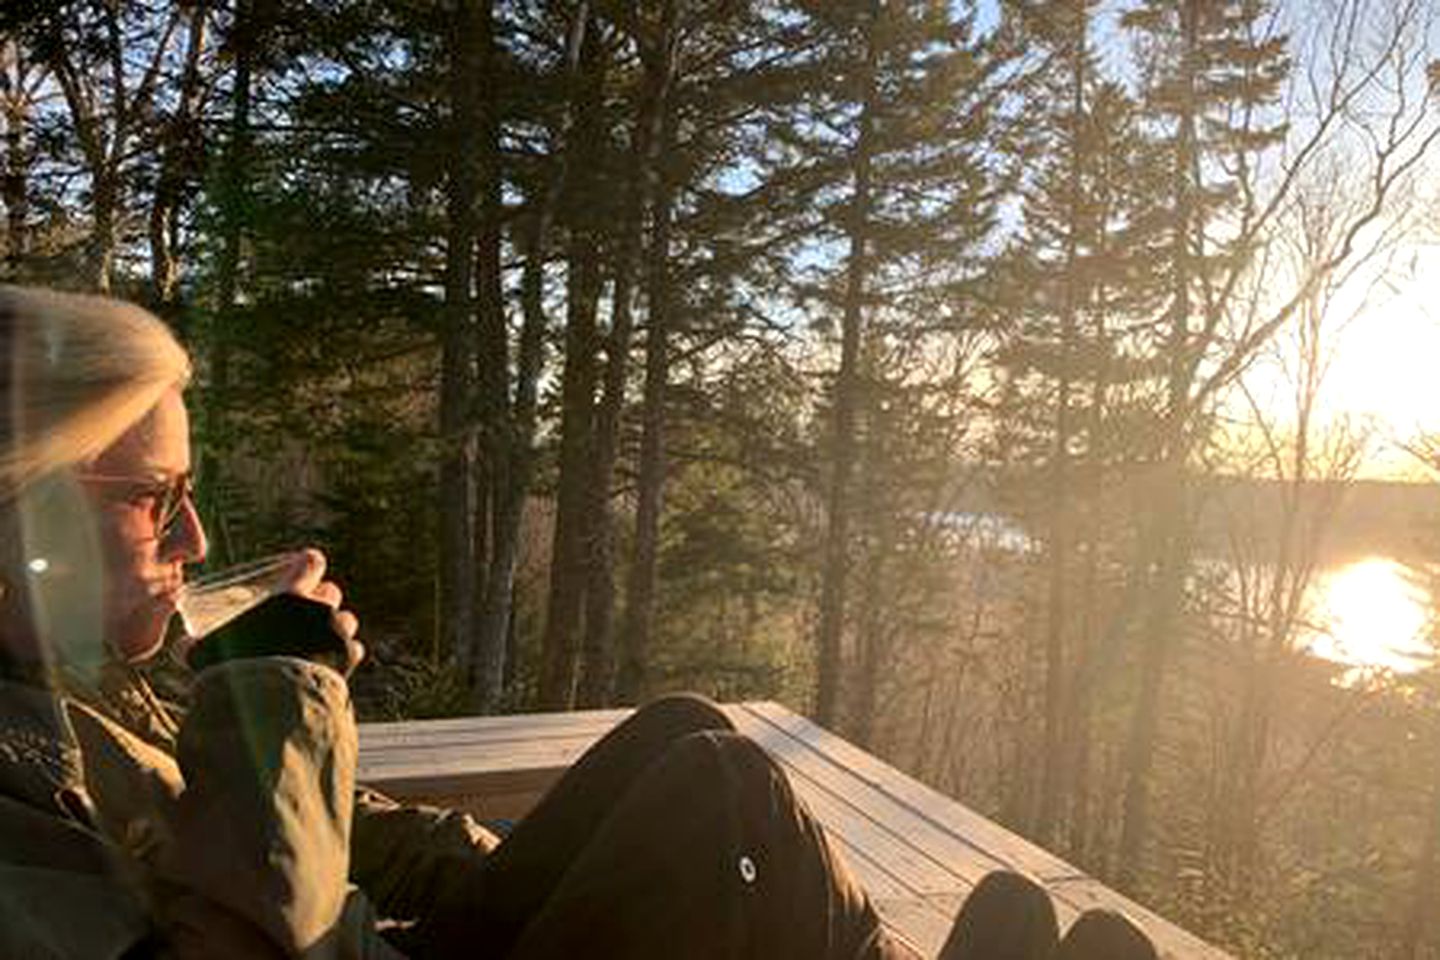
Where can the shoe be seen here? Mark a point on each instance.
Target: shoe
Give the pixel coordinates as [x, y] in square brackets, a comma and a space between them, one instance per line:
[1105, 935]
[1006, 917]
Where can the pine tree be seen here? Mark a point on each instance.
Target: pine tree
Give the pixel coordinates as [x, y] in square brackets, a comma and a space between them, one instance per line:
[586, 213]
[1073, 282]
[1211, 75]
[710, 250]
[885, 156]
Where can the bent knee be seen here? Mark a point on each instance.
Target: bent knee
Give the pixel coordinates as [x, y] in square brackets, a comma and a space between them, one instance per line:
[684, 713]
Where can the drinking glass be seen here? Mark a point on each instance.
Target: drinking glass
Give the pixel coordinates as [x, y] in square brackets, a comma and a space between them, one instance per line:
[209, 602]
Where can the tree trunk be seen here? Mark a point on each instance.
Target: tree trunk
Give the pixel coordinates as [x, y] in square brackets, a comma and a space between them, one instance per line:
[100, 249]
[497, 623]
[497, 617]
[560, 650]
[597, 666]
[1173, 558]
[1158, 639]
[873, 642]
[848, 389]
[457, 358]
[496, 634]
[1079, 701]
[570, 551]
[493, 496]
[245, 33]
[17, 159]
[1058, 614]
[179, 164]
[634, 681]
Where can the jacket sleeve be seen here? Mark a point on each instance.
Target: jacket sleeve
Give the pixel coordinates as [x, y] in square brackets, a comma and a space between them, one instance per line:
[262, 828]
[407, 857]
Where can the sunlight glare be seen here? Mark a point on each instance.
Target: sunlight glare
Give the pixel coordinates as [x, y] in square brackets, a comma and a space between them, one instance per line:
[1374, 616]
[1379, 345]
[1381, 362]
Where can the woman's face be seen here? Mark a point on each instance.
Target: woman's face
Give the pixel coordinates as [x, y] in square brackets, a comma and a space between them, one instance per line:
[144, 566]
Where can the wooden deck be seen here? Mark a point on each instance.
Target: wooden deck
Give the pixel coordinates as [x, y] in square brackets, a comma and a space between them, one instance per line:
[916, 851]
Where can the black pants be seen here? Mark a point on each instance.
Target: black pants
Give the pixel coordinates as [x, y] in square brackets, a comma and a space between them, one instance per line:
[674, 836]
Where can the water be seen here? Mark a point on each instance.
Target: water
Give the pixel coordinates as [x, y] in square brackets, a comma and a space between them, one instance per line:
[1372, 615]
[1375, 614]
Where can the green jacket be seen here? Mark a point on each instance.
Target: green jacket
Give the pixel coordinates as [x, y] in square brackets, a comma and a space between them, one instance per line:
[244, 843]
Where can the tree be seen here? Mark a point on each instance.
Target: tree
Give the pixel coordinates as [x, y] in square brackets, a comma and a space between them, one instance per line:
[247, 31]
[632, 683]
[180, 150]
[107, 61]
[698, 114]
[836, 563]
[459, 570]
[1308, 465]
[501, 469]
[1214, 79]
[1073, 276]
[657, 44]
[20, 84]
[885, 168]
[1207, 66]
[585, 214]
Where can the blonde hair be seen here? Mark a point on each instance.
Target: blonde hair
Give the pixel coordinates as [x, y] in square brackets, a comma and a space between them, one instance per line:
[77, 372]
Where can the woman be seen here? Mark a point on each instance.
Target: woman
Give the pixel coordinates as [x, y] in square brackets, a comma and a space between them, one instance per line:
[106, 848]
[110, 846]
[237, 831]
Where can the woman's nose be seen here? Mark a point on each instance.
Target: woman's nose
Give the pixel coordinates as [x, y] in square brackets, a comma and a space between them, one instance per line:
[186, 540]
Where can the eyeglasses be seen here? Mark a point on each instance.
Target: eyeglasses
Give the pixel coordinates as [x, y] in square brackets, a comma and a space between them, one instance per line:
[166, 498]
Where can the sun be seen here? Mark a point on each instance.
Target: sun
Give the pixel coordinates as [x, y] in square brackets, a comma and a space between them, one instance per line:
[1373, 615]
[1379, 342]
[1381, 366]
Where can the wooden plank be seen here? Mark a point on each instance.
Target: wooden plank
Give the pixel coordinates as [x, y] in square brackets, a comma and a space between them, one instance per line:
[917, 800]
[461, 758]
[492, 762]
[551, 753]
[948, 862]
[461, 730]
[891, 871]
[477, 760]
[929, 809]
[520, 788]
[922, 926]
[911, 866]
[929, 890]
[1068, 885]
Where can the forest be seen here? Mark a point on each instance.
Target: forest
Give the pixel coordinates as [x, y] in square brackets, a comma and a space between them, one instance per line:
[969, 374]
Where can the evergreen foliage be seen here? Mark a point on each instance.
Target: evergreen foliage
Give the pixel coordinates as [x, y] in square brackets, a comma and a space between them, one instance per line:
[880, 356]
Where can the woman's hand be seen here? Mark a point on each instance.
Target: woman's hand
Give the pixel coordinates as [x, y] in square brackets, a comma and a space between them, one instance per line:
[304, 619]
[309, 582]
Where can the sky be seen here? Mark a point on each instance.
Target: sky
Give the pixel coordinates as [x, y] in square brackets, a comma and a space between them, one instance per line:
[1387, 359]
[1383, 374]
